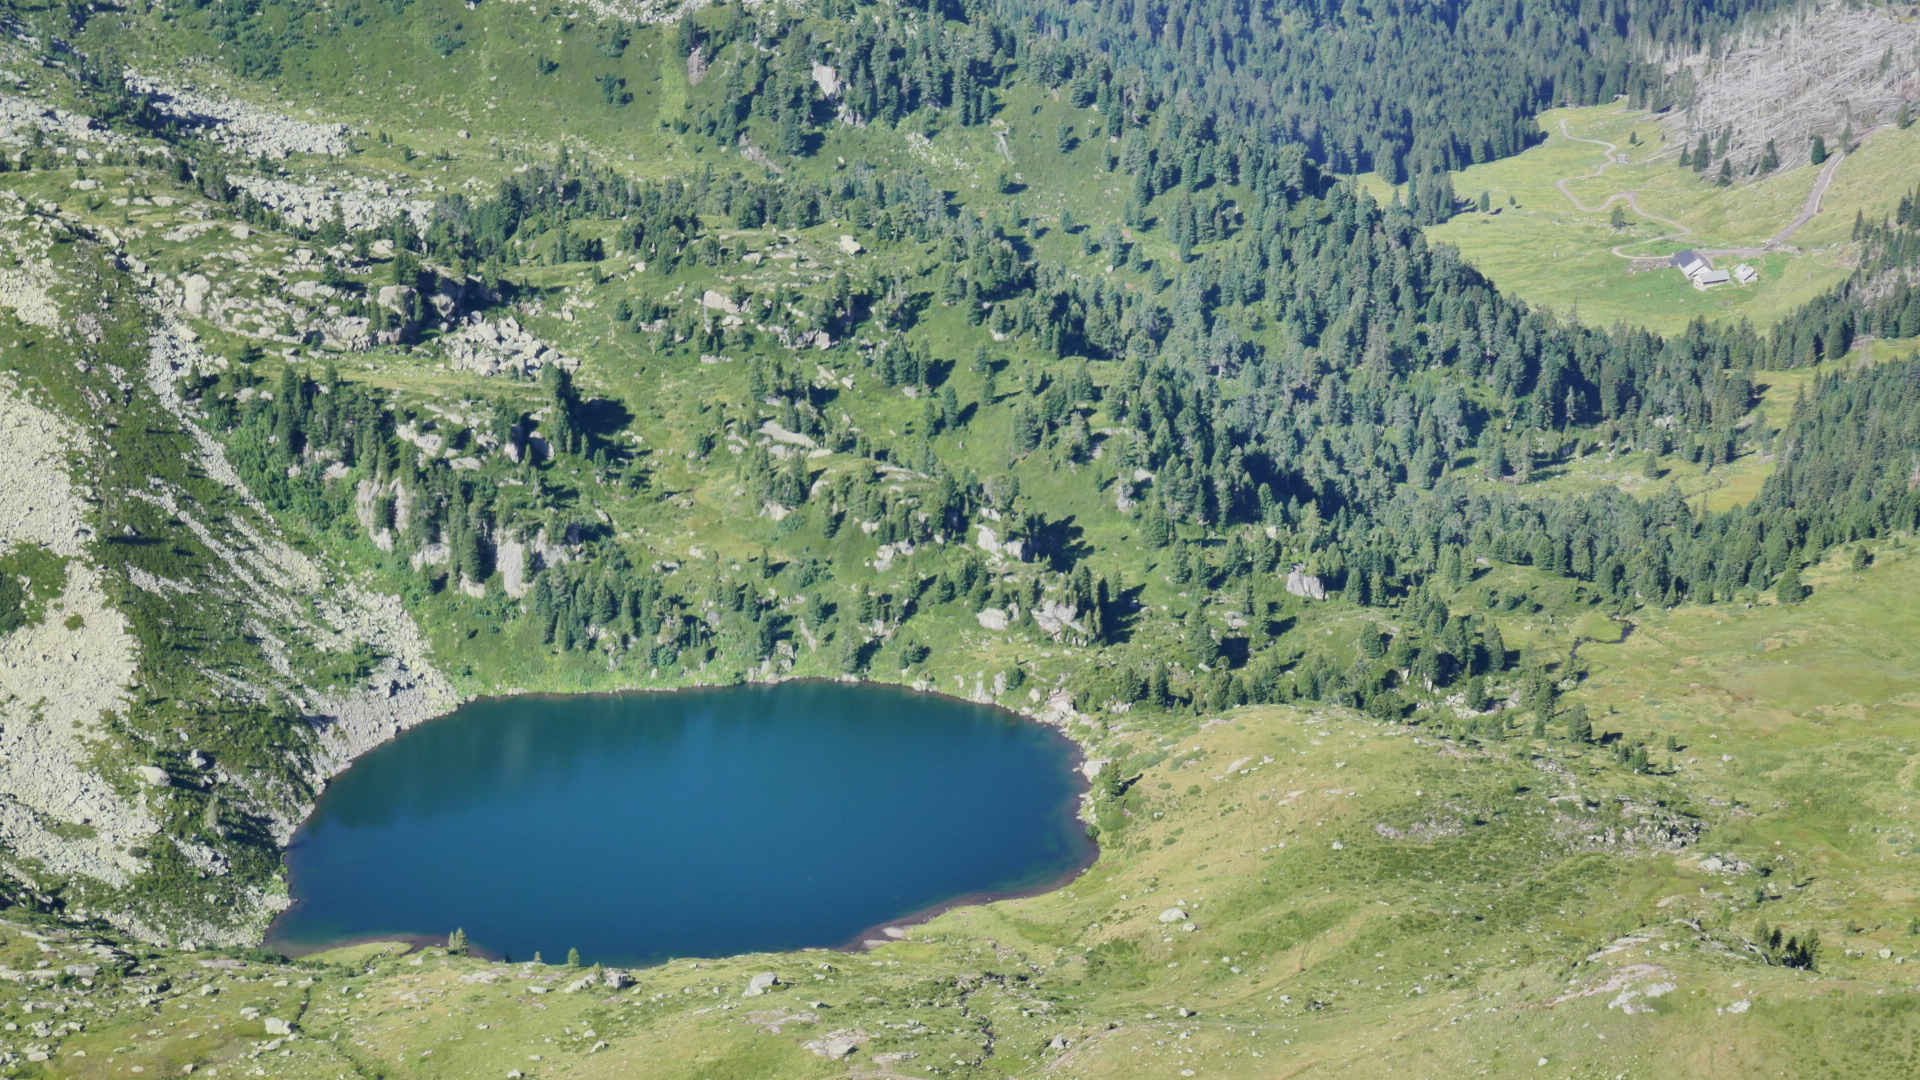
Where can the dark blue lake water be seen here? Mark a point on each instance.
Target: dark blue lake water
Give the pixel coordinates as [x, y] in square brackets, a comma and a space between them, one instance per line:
[702, 823]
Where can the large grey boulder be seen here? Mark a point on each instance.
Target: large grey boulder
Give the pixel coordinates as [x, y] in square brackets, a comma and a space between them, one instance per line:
[837, 1046]
[196, 287]
[1301, 583]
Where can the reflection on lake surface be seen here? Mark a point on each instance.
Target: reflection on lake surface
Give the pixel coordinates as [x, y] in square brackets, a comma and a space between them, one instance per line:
[701, 823]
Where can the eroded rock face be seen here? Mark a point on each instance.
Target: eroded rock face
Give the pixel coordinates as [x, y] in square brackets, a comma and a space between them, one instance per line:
[1055, 618]
[274, 589]
[827, 79]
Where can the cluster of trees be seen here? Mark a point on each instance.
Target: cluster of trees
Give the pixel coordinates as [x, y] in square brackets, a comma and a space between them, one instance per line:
[1776, 947]
[1307, 381]
[888, 63]
[1843, 476]
[1406, 90]
[1412, 92]
[330, 453]
[578, 604]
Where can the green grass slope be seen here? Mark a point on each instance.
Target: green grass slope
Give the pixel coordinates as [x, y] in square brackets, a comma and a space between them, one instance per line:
[1540, 244]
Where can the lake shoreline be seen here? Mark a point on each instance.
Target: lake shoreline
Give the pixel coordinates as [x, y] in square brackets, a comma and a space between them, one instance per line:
[875, 936]
[1057, 719]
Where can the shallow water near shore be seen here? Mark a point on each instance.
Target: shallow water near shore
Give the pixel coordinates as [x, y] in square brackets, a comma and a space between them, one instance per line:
[641, 827]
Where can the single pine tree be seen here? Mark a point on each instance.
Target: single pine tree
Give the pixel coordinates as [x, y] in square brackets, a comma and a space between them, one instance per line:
[1790, 589]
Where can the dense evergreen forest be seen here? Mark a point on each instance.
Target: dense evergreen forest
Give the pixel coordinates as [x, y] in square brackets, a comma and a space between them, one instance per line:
[1405, 89]
[1283, 378]
[1305, 383]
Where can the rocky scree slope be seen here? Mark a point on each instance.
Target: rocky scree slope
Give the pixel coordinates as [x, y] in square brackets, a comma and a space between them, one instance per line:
[168, 713]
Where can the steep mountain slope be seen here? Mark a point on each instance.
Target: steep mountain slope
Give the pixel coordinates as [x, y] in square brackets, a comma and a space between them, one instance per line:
[178, 677]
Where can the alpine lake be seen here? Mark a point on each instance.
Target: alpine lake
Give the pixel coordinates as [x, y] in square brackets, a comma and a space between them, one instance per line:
[642, 827]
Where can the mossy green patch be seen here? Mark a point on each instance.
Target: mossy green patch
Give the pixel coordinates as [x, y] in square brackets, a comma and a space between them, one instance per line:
[30, 576]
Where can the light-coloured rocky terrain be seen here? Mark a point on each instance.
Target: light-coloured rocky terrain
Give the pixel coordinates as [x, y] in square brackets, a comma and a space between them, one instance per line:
[1818, 70]
[60, 814]
[82, 793]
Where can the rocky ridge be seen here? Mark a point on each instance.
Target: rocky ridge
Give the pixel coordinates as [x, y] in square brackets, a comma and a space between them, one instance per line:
[489, 347]
[359, 203]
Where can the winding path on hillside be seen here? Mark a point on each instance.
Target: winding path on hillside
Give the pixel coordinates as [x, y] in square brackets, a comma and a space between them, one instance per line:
[1632, 198]
[1778, 242]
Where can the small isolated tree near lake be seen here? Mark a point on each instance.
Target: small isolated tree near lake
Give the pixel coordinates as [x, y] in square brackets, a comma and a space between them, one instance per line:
[573, 957]
[1790, 589]
[457, 942]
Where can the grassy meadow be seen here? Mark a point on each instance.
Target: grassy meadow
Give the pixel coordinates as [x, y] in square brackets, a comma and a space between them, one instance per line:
[1539, 245]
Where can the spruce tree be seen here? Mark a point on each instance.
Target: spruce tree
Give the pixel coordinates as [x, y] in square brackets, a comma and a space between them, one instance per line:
[1790, 589]
[1579, 727]
[852, 645]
